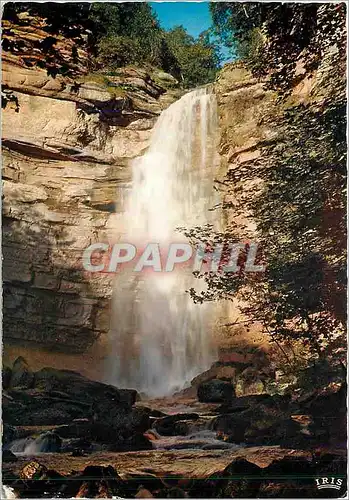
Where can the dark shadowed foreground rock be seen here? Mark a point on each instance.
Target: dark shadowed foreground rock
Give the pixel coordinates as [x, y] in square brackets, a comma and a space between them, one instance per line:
[121, 428]
[82, 414]
[215, 391]
[8, 456]
[259, 420]
[80, 388]
[174, 425]
[6, 377]
[22, 376]
[54, 397]
[264, 472]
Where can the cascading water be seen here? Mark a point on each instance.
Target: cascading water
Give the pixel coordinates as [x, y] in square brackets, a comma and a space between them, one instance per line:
[160, 338]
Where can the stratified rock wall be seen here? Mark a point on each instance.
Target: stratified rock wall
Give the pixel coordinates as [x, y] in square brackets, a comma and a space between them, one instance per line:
[243, 106]
[67, 146]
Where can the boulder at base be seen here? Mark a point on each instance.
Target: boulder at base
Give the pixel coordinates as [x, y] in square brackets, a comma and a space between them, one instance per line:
[215, 391]
[22, 376]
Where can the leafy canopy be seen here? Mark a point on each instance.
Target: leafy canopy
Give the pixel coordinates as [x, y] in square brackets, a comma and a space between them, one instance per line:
[300, 206]
[115, 35]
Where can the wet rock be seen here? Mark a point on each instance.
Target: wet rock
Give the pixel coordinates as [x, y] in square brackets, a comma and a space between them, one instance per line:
[119, 419]
[48, 442]
[48, 483]
[10, 409]
[284, 432]
[173, 492]
[217, 371]
[8, 456]
[299, 466]
[80, 427]
[78, 447]
[78, 452]
[240, 479]
[22, 376]
[9, 433]
[39, 481]
[77, 386]
[84, 491]
[330, 464]
[128, 397]
[136, 481]
[32, 407]
[98, 482]
[121, 429]
[245, 402]
[230, 427]
[289, 477]
[215, 391]
[157, 413]
[207, 487]
[181, 429]
[261, 420]
[152, 435]
[243, 480]
[329, 412]
[6, 377]
[137, 442]
[174, 425]
[289, 489]
[59, 413]
[62, 396]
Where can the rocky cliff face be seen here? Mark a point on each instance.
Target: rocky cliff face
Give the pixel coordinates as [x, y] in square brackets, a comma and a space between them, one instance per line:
[243, 104]
[67, 150]
[67, 146]
[251, 119]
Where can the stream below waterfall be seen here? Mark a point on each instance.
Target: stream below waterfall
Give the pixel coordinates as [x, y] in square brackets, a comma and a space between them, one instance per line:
[194, 432]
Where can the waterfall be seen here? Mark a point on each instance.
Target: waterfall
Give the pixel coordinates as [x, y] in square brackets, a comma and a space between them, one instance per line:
[160, 339]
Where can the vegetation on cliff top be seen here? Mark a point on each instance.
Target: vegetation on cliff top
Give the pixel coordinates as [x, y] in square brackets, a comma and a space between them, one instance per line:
[115, 35]
[272, 37]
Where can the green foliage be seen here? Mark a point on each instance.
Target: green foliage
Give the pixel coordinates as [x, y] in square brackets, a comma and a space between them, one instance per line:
[126, 33]
[115, 51]
[233, 22]
[197, 59]
[69, 20]
[288, 32]
[301, 224]
[135, 37]
[300, 214]
[115, 34]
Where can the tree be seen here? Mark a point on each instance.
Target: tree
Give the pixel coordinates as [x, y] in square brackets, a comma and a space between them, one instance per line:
[198, 59]
[114, 35]
[70, 20]
[272, 37]
[300, 209]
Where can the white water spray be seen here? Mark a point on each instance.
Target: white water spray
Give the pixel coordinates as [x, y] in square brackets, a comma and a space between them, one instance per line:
[160, 338]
